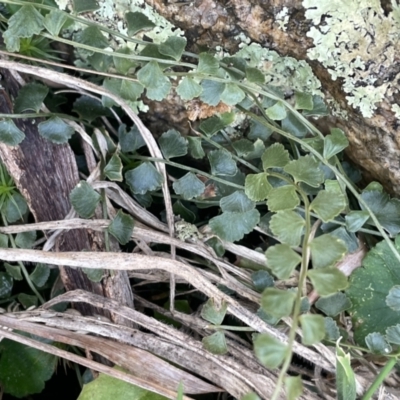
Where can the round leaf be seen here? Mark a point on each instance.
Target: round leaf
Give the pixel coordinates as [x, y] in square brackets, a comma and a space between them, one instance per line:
[278, 303]
[282, 260]
[257, 187]
[10, 134]
[222, 163]
[288, 227]
[283, 198]
[84, 199]
[232, 226]
[275, 156]
[270, 351]
[306, 169]
[188, 89]
[121, 227]
[56, 130]
[189, 186]
[172, 144]
[313, 328]
[144, 178]
[326, 250]
[328, 280]
[216, 343]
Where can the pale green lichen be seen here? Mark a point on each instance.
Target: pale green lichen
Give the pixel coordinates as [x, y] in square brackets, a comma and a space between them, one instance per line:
[355, 41]
[112, 13]
[396, 110]
[286, 73]
[282, 18]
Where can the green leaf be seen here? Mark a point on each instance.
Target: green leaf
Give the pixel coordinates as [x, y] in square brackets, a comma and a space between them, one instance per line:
[222, 163]
[326, 250]
[334, 304]
[25, 23]
[232, 94]
[212, 125]
[216, 245]
[294, 387]
[113, 169]
[89, 108]
[14, 271]
[40, 274]
[304, 101]
[172, 144]
[211, 313]
[84, 199]
[54, 21]
[121, 227]
[270, 351]
[345, 378]
[257, 187]
[232, 63]
[173, 47]
[254, 75]
[259, 131]
[288, 227]
[24, 370]
[15, 207]
[283, 198]
[331, 329]
[319, 108]
[144, 178]
[243, 147]
[188, 89]
[184, 212]
[250, 396]
[30, 97]
[386, 210]
[212, 91]
[305, 169]
[208, 64]
[10, 134]
[106, 387]
[328, 280]
[81, 6]
[152, 78]
[189, 186]
[292, 125]
[130, 141]
[56, 130]
[275, 156]
[236, 202]
[393, 298]
[259, 149]
[278, 303]
[215, 343]
[3, 240]
[329, 203]
[277, 112]
[195, 147]
[261, 280]
[25, 240]
[128, 90]
[6, 285]
[136, 22]
[368, 289]
[282, 260]
[94, 274]
[232, 226]
[334, 143]
[92, 36]
[313, 328]
[393, 334]
[355, 220]
[377, 343]
[122, 64]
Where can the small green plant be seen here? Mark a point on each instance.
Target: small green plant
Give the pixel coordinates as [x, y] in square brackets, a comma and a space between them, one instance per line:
[264, 166]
